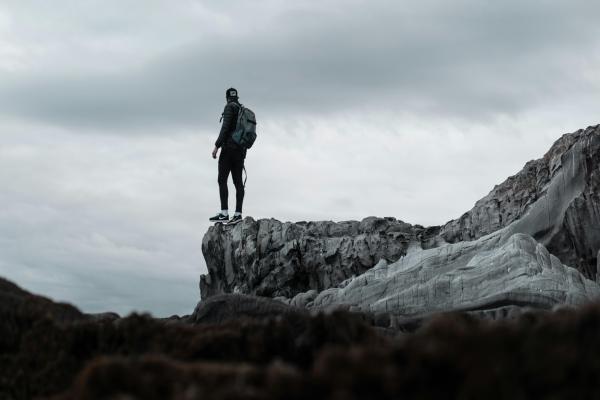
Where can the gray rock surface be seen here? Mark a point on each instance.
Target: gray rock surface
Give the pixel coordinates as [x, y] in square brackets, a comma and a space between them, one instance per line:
[501, 269]
[564, 185]
[271, 258]
[511, 250]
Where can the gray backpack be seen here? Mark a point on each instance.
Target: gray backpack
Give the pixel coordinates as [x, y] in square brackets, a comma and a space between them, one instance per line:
[245, 128]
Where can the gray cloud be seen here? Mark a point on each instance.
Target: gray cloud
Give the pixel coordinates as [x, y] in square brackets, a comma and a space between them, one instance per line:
[470, 60]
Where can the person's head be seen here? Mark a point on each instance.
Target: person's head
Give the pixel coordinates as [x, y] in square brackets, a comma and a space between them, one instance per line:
[231, 94]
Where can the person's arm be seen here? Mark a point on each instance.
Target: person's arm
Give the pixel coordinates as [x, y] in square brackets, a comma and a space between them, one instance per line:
[228, 124]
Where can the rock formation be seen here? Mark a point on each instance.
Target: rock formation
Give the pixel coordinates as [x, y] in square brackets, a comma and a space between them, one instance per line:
[529, 244]
[563, 187]
[515, 247]
[494, 271]
[270, 258]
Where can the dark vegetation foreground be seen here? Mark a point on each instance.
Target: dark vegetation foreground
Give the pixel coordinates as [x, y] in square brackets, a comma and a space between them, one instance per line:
[53, 350]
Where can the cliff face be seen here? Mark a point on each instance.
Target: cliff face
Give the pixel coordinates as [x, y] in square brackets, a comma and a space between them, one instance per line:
[515, 247]
[270, 258]
[572, 169]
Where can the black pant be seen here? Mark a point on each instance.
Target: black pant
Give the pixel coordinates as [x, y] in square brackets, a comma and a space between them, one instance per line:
[231, 160]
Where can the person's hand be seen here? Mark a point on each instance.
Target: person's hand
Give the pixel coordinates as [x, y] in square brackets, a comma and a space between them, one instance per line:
[214, 153]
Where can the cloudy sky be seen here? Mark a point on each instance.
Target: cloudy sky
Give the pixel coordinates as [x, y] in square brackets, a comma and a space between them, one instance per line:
[413, 109]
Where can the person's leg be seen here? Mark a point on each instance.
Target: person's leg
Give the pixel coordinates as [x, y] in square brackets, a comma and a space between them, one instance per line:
[224, 168]
[237, 166]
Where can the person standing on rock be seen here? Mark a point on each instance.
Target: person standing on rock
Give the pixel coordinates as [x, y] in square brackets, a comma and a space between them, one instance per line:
[231, 160]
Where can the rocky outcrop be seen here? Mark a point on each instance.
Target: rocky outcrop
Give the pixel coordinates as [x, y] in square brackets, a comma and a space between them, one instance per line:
[494, 271]
[514, 248]
[565, 185]
[270, 258]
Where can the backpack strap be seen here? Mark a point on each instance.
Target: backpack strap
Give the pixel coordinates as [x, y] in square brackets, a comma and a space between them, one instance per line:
[240, 110]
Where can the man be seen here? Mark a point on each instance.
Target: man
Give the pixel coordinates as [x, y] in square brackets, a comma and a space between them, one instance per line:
[231, 160]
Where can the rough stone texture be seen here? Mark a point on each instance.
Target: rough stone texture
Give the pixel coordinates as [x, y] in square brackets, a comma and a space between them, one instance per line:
[486, 259]
[493, 271]
[572, 169]
[270, 258]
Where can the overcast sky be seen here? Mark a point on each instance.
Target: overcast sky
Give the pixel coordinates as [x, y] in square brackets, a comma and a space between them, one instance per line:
[109, 111]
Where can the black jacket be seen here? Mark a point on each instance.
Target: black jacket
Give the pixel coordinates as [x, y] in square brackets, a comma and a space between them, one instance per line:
[230, 115]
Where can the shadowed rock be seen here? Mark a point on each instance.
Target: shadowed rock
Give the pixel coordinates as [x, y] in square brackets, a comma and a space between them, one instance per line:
[227, 307]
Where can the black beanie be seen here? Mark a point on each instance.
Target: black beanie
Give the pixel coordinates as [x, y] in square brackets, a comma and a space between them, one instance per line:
[231, 92]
